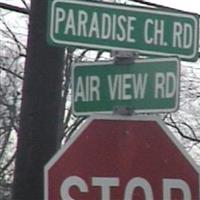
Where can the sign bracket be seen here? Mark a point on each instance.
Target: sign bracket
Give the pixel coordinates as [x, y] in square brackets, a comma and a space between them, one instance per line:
[124, 57]
[123, 110]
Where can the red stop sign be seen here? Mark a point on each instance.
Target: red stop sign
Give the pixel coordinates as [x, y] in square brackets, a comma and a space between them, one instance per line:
[122, 158]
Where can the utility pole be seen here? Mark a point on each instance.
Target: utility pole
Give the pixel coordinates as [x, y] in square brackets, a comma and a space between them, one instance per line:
[39, 120]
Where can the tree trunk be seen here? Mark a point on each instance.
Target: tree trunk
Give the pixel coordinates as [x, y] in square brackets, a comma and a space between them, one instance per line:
[41, 100]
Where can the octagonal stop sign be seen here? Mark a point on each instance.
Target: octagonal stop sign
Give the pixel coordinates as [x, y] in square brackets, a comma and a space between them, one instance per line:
[122, 158]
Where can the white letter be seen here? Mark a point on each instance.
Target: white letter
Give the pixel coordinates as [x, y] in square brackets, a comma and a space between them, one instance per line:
[138, 182]
[130, 28]
[159, 32]
[126, 86]
[79, 90]
[94, 88]
[159, 85]
[177, 31]
[147, 30]
[114, 27]
[70, 182]
[60, 16]
[170, 84]
[82, 20]
[106, 26]
[169, 184]
[105, 184]
[94, 26]
[187, 39]
[120, 20]
[139, 85]
[70, 24]
[113, 85]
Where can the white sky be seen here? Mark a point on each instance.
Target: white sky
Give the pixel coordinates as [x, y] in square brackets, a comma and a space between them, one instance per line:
[14, 2]
[187, 5]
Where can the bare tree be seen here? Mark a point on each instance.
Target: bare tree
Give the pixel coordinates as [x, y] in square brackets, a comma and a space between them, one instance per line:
[12, 56]
[184, 123]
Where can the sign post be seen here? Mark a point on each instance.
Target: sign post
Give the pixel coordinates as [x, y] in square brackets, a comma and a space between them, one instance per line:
[114, 157]
[111, 26]
[150, 85]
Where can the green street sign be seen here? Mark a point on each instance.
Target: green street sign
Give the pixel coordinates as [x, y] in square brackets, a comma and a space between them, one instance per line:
[145, 86]
[120, 27]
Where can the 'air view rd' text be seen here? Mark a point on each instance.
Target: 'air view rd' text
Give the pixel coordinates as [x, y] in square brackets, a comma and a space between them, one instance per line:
[150, 85]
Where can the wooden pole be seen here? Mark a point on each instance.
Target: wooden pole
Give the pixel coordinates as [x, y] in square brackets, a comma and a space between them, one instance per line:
[37, 139]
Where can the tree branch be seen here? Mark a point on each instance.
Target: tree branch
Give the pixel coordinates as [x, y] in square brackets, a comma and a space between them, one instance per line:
[14, 8]
[25, 4]
[178, 129]
[11, 72]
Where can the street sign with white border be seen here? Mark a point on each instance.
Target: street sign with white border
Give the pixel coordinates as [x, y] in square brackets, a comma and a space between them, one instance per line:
[145, 86]
[111, 26]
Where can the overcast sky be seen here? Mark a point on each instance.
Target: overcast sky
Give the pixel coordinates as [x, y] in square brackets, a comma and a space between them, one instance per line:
[187, 5]
[13, 2]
